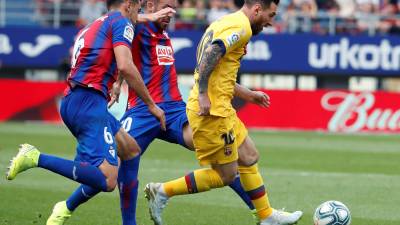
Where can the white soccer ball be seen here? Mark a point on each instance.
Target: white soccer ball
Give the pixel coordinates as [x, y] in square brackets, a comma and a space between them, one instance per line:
[332, 213]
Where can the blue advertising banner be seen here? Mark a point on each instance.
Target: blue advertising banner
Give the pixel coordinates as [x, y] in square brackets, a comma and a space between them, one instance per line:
[266, 53]
[35, 47]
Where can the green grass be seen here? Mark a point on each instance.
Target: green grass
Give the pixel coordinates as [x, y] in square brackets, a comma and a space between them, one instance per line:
[301, 170]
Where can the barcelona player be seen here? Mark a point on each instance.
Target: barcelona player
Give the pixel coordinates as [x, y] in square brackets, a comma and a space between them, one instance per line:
[101, 50]
[220, 139]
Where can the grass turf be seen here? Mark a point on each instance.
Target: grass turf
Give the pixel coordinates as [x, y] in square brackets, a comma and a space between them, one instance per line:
[300, 169]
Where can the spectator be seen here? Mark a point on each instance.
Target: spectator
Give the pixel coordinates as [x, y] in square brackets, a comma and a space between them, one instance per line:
[90, 10]
[188, 11]
[347, 8]
[217, 10]
[328, 6]
[230, 5]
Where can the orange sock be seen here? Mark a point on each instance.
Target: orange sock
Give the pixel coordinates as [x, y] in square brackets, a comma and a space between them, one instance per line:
[254, 186]
[198, 181]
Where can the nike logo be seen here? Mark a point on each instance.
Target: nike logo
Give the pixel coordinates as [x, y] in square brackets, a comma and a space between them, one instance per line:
[43, 41]
[74, 173]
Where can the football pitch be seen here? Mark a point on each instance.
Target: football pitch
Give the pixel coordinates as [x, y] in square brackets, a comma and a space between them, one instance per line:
[300, 170]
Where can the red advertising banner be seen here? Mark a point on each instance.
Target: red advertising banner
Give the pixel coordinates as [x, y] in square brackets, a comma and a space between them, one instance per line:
[326, 110]
[336, 111]
[29, 100]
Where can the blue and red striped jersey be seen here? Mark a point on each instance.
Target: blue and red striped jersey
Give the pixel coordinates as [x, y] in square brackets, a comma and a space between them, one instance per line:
[154, 57]
[93, 62]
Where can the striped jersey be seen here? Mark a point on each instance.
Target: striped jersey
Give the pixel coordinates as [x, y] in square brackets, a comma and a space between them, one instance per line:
[93, 62]
[154, 57]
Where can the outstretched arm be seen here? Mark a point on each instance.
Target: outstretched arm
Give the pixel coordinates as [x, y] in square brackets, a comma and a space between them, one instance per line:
[151, 17]
[257, 97]
[210, 59]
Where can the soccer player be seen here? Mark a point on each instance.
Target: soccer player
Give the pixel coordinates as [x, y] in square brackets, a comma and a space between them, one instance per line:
[101, 50]
[153, 54]
[220, 138]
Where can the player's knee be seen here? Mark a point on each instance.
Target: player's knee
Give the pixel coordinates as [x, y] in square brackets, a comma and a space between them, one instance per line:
[128, 148]
[111, 183]
[228, 178]
[249, 159]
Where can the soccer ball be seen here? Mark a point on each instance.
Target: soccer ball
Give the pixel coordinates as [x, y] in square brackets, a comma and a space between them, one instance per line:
[332, 213]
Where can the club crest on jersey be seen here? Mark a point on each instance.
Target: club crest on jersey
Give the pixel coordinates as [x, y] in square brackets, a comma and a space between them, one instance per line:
[233, 38]
[129, 33]
[165, 55]
[228, 151]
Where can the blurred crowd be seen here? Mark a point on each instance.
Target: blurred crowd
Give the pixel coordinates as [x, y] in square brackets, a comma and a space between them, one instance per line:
[320, 16]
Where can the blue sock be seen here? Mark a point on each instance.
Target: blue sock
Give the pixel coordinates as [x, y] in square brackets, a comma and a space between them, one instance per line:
[128, 189]
[81, 172]
[237, 187]
[81, 195]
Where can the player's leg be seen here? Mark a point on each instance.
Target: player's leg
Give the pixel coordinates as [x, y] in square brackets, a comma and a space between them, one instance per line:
[253, 184]
[63, 210]
[200, 180]
[144, 127]
[179, 131]
[211, 149]
[86, 172]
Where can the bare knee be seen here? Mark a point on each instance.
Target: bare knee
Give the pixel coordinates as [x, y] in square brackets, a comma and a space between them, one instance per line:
[248, 154]
[249, 159]
[228, 178]
[227, 172]
[111, 183]
[127, 145]
[110, 173]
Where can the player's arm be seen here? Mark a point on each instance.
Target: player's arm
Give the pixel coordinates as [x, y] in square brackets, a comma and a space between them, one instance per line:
[152, 17]
[211, 57]
[131, 75]
[115, 91]
[257, 97]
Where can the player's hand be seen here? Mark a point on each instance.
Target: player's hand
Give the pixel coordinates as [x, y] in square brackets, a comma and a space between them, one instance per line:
[114, 94]
[204, 104]
[159, 114]
[261, 98]
[166, 12]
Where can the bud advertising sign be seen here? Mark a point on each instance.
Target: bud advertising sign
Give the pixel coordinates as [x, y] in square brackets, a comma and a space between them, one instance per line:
[335, 111]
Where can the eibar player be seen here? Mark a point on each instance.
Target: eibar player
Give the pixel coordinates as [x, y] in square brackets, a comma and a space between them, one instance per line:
[220, 138]
[153, 55]
[101, 50]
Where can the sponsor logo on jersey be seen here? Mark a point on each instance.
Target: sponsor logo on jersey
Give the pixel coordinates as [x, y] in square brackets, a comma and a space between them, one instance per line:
[129, 33]
[165, 55]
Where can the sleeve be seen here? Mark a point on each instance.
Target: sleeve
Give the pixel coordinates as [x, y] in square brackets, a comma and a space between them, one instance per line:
[231, 38]
[122, 33]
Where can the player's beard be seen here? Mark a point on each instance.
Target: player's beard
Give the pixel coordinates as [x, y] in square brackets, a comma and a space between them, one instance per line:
[256, 28]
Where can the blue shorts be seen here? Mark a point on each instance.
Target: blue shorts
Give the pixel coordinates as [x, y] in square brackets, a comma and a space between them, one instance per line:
[144, 127]
[84, 112]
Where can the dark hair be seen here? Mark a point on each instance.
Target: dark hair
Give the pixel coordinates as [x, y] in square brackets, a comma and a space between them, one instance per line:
[111, 3]
[264, 3]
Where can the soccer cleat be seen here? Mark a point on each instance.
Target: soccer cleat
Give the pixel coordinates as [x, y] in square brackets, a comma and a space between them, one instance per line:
[280, 217]
[27, 157]
[60, 214]
[255, 216]
[157, 201]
